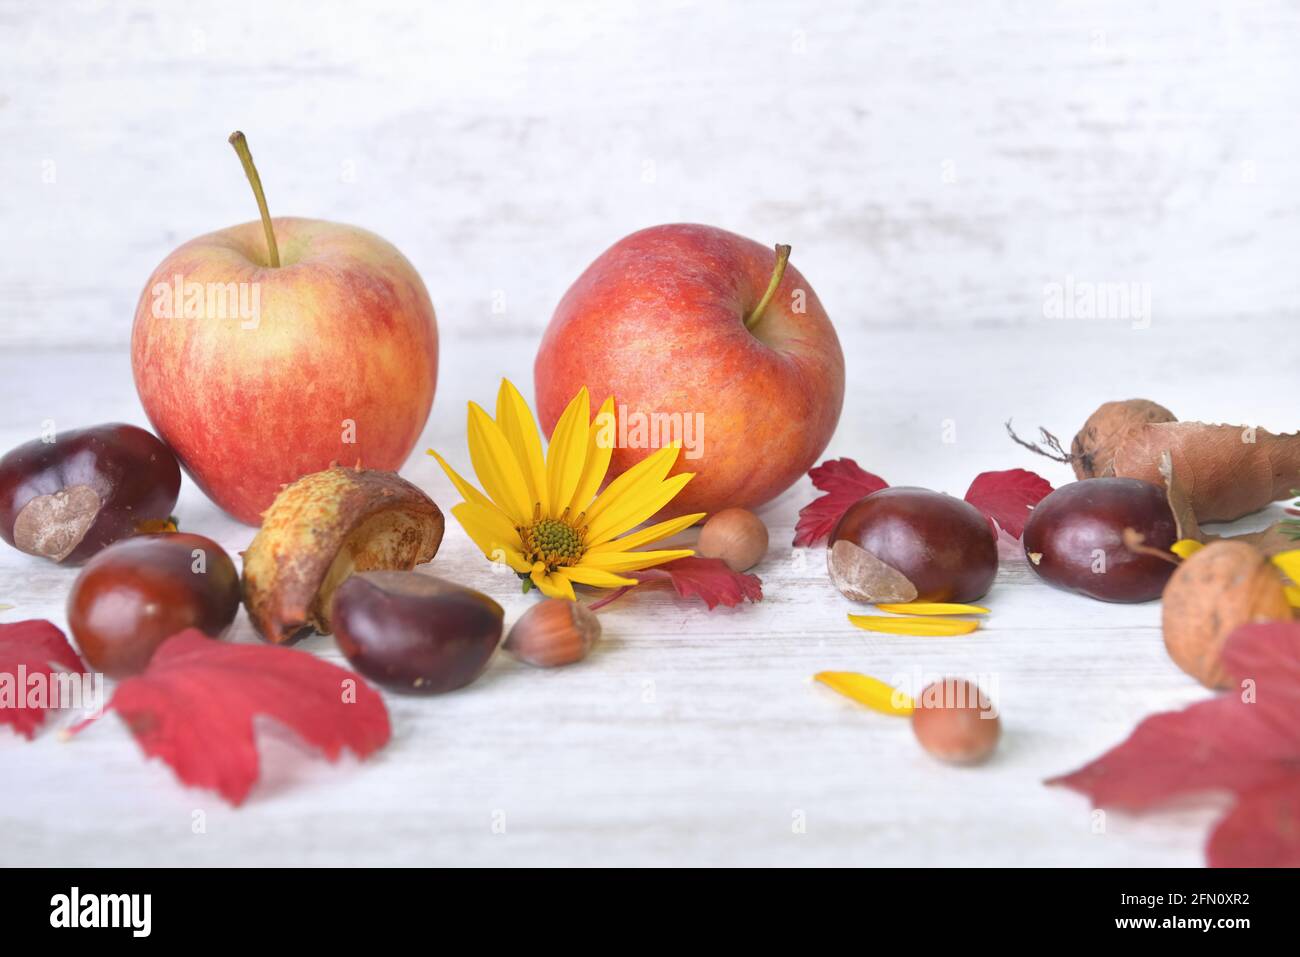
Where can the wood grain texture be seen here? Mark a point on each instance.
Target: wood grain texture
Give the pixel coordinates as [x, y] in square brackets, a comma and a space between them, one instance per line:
[935, 170]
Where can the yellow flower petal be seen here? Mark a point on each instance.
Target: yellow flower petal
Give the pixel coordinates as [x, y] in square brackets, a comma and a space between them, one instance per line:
[933, 608]
[600, 446]
[924, 627]
[567, 453]
[1186, 547]
[633, 561]
[495, 465]
[515, 559]
[651, 533]
[1289, 562]
[1293, 595]
[634, 510]
[520, 430]
[552, 586]
[645, 475]
[872, 692]
[468, 492]
[489, 529]
[585, 575]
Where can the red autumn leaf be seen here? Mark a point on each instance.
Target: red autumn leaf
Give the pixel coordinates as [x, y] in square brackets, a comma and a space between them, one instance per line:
[844, 483]
[1245, 742]
[28, 648]
[194, 707]
[1005, 498]
[709, 579]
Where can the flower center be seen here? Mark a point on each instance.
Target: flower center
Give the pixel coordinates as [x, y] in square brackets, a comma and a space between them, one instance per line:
[552, 541]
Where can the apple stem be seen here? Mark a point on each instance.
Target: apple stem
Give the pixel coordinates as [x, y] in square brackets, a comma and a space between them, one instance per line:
[240, 144]
[782, 257]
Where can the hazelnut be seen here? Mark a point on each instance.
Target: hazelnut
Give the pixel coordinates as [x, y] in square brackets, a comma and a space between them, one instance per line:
[553, 632]
[1220, 587]
[737, 536]
[955, 721]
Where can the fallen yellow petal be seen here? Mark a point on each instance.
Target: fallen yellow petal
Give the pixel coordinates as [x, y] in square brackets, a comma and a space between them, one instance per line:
[1186, 547]
[926, 627]
[1292, 595]
[933, 608]
[1289, 562]
[864, 689]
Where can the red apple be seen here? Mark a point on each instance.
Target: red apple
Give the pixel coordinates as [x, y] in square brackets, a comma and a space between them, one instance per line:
[715, 328]
[313, 343]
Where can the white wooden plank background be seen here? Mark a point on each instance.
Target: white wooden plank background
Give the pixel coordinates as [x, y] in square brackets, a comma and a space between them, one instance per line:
[934, 167]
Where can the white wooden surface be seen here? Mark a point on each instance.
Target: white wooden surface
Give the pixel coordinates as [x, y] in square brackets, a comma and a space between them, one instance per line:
[934, 168]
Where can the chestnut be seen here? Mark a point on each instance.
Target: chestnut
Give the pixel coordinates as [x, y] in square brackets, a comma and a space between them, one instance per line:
[955, 721]
[68, 498]
[1074, 538]
[912, 544]
[137, 593]
[415, 633]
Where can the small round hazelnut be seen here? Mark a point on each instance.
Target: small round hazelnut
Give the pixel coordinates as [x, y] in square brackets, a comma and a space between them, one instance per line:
[737, 536]
[553, 632]
[1216, 590]
[956, 722]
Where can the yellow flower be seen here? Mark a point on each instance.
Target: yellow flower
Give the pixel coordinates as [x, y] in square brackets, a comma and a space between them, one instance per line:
[542, 516]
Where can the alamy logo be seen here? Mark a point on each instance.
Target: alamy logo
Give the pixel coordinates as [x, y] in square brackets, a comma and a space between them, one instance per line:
[1080, 299]
[633, 429]
[181, 299]
[102, 910]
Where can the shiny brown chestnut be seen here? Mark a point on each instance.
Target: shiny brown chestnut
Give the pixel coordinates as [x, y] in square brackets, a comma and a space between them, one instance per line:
[415, 633]
[942, 546]
[1074, 539]
[137, 593]
[70, 497]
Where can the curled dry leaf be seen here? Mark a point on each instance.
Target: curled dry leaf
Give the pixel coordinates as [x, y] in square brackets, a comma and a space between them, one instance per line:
[195, 705]
[1213, 592]
[1242, 742]
[1092, 453]
[320, 530]
[29, 649]
[1227, 470]
[1179, 502]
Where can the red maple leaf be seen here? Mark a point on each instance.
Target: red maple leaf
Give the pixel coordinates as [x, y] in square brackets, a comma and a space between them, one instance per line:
[844, 482]
[1005, 498]
[1245, 742]
[27, 648]
[194, 707]
[709, 579]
